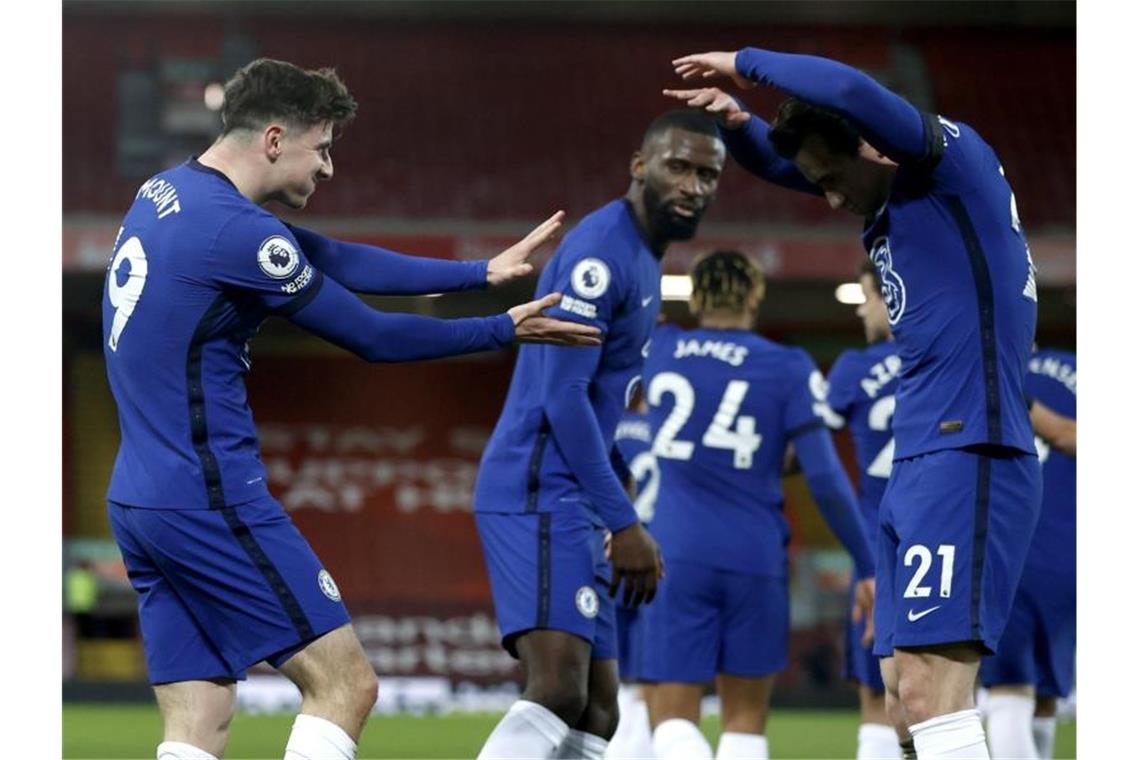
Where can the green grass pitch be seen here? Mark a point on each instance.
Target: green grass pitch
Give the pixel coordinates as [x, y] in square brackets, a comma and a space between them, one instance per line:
[133, 731]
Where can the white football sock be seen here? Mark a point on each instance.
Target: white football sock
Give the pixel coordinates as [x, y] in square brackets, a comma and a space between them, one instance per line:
[878, 742]
[528, 730]
[1009, 726]
[314, 738]
[1044, 732]
[633, 739]
[182, 751]
[956, 736]
[680, 739]
[737, 746]
[579, 745]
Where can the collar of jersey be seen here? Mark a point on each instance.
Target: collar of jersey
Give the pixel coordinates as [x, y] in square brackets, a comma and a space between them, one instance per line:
[197, 166]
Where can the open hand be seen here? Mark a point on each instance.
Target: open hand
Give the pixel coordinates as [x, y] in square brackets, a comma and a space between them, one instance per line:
[532, 327]
[710, 65]
[864, 608]
[716, 102]
[512, 262]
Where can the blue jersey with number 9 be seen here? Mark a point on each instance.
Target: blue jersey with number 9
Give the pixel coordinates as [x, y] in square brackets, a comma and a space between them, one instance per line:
[196, 268]
[723, 405]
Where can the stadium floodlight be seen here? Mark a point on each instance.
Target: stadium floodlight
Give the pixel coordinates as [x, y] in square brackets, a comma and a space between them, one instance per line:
[214, 95]
[850, 293]
[676, 287]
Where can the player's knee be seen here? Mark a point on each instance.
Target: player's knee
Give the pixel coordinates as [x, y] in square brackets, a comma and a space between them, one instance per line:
[364, 690]
[916, 698]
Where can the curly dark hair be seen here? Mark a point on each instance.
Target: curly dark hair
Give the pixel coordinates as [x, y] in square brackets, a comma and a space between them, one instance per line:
[267, 90]
[723, 280]
[796, 121]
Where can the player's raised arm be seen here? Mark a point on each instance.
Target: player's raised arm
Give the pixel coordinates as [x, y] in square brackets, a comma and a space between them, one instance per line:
[745, 136]
[371, 269]
[341, 318]
[886, 120]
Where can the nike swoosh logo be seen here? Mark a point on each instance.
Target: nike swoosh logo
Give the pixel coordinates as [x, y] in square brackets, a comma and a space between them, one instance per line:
[912, 617]
[646, 301]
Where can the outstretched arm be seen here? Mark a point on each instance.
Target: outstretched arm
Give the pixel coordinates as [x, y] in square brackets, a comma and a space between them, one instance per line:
[329, 310]
[371, 269]
[379, 271]
[884, 119]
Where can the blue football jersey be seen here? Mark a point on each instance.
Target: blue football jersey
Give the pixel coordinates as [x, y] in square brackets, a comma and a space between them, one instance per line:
[634, 442]
[861, 392]
[610, 278]
[1052, 380]
[723, 405]
[197, 267]
[961, 297]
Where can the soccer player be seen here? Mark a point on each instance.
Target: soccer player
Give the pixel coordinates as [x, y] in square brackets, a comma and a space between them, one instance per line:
[1033, 667]
[861, 397]
[546, 491]
[941, 226]
[224, 578]
[724, 403]
[637, 467]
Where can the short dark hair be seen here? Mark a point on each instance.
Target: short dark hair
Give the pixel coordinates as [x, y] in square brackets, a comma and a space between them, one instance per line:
[723, 280]
[796, 121]
[267, 90]
[681, 118]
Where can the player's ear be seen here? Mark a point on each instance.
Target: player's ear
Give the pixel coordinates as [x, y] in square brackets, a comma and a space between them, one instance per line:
[637, 167]
[271, 141]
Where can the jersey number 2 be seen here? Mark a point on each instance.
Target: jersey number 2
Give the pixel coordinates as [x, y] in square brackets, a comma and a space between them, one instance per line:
[879, 419]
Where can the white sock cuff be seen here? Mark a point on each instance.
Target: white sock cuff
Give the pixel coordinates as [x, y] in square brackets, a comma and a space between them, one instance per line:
[877, 732]
[940, 723]
[182, 751]
[314, 737]
[740, 746]
[678, 737]
[552, 728]
[1045, 724]
[957, 734]
[998, 702]
[878, 741]
[587, 746]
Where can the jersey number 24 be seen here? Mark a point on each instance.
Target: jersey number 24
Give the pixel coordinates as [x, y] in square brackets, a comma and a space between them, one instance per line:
[726, 431]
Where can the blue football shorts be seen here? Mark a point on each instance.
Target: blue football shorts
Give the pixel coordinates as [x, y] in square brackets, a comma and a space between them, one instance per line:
[223, 589]
[1039, 645]
[706, 621]
[548, 571]
[954, 531]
